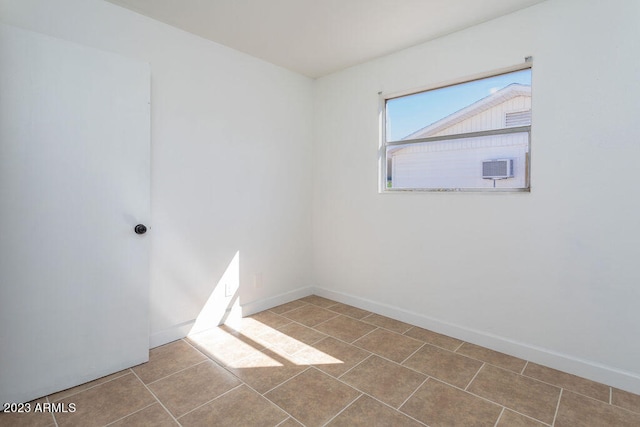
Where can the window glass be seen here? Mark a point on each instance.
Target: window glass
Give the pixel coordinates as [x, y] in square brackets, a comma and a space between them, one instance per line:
[448, 138]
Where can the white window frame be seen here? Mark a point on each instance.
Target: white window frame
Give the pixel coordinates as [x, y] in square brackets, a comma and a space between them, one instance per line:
[384, 144]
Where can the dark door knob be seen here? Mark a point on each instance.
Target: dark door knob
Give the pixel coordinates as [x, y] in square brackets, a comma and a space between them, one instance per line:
[140, 229]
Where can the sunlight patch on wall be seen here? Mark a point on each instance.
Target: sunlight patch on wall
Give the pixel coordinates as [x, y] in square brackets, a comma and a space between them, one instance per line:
[223, 302]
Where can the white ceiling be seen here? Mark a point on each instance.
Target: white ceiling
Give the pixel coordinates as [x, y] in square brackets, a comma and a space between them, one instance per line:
[318, 37]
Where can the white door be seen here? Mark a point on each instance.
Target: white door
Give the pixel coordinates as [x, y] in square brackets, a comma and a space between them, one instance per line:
[74, 182]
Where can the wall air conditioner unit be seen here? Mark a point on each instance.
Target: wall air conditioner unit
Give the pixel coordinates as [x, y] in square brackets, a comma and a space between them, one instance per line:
[497, 169]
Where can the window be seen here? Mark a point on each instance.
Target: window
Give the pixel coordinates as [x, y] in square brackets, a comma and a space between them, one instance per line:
[458, 137]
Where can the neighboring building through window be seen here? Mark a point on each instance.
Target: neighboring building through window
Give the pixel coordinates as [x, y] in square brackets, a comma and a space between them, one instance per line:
[447, 138]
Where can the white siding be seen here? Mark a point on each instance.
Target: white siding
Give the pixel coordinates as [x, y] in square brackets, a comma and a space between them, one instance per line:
[493, 118]
[458, 163]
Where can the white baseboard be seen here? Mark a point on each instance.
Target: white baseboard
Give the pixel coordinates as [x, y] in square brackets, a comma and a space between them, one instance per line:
[182, 330]
[171, 334]
[257, 306]
[623, 380]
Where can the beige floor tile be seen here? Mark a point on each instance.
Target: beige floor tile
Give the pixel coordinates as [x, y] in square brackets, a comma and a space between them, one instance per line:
[578, 410]
[71, 391]
[332, 356]
[387, 344]
[188, 389]
[151, 416]
[106, 403]
[570, 382]
[264, 320]
[289, 422]
[313, 397]
[522, 394]
[492, 357]
[319, 301]
[513, 419]
[252, 327]
[625, 400]
[168, 359]
[345, 328]
[310, 315]
[444, 365]
[368, 412]
[348, 310]
[433, 338]
[387, 323]
[240, 407]
[321, 378]
[437, 404]
[267, 369]
[28, 418]
[302, 333]
[226, 347]
[384, 380]
[283, 308]
[292, 338]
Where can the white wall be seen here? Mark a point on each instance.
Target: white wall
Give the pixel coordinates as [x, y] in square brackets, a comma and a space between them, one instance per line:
[230, 154]
[550, 275]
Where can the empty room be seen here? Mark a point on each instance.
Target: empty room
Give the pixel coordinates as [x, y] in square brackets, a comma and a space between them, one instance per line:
[319, 212]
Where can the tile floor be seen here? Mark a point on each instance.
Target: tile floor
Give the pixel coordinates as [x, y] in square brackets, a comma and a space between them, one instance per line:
[315, 362]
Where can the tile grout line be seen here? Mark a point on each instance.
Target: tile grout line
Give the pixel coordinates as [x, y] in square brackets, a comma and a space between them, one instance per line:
[272, 403]
[89, 388]
[524, 367]
[392, 408]
[128, 415]
[413, 392]
[474, 377]
[499, 416]
[353, 367]
[481, 397]
[181, 370]
[459, 347]
[343, 341]
[53, 414]
[506, 408]
[157, 399]
[310, 344]
[557, 408]
[349, 316]
[253, 389]
[375, 398]
[344, 409]
[610, 395]
[390, 330]
[368, 333]
[209, 401]
[409, 356]
[562, 387]
[280, 314]
[324, 321]
[491, 401]
[388, 360]
[225, 368]
[249, 386]
[287, 380]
